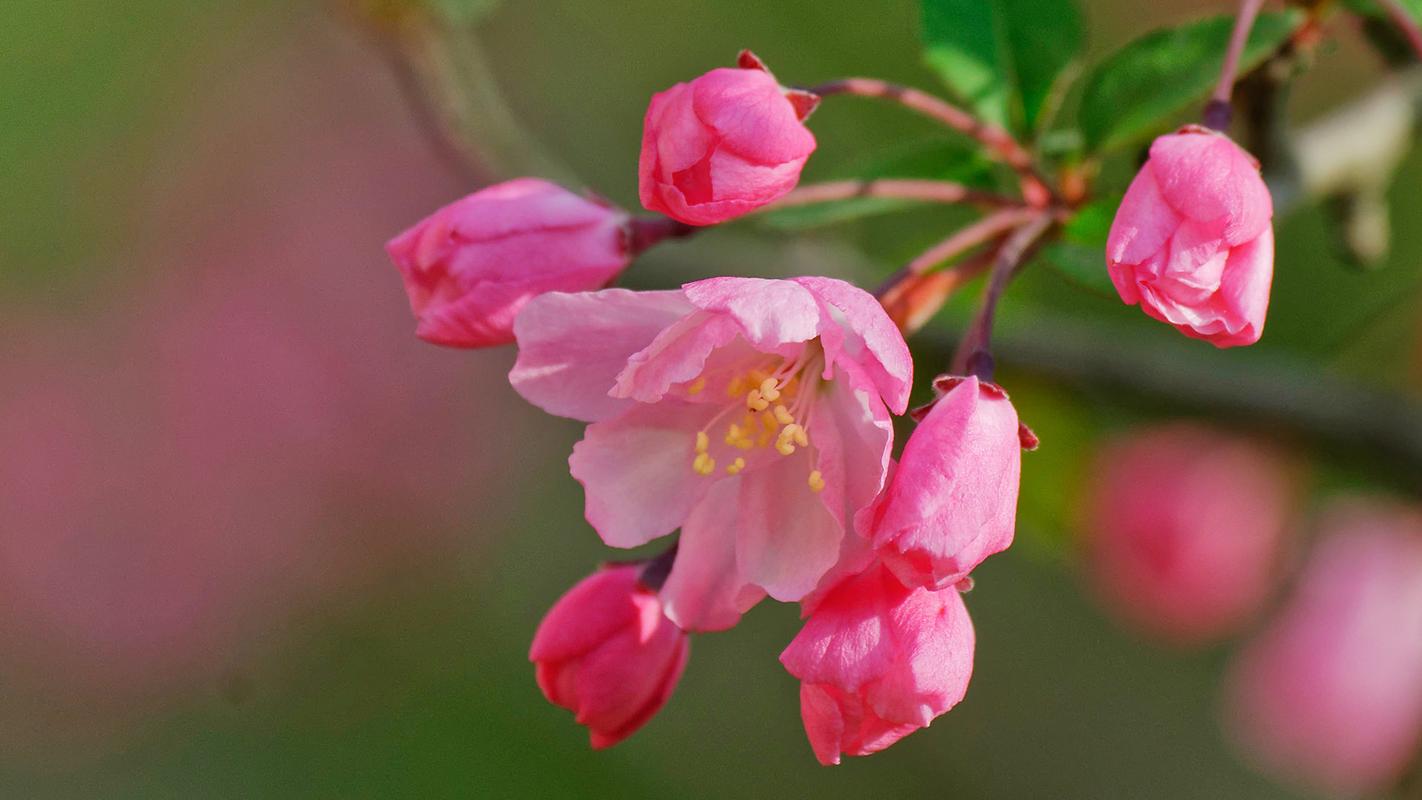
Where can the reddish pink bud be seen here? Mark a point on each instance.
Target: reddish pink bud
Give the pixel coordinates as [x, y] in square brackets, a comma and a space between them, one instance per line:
[1331, 693]
[953, 499]
[608, 654]
[471, 266]
[723, 145]
[1184, 530]
[1192, 242]
[877, 661]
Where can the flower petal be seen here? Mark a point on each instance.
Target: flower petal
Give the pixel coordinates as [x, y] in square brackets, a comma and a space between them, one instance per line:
[572, 346]
[873, 341]
[787, 538]
[636, 471]
[704, 591]
[771, 313]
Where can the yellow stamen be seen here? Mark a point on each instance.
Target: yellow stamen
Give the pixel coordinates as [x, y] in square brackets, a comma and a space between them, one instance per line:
[817, 481]
[755, 402]
[702, 441]
[696, 387]
[736, 466]
[704, 464]
[768, 390]
[782, 415]
[802, 437]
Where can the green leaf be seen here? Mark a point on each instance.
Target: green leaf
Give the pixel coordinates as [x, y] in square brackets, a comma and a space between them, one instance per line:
[1137, 92]
[1372, 9]
[949, 161]
[1004, 58]
[1080, 256]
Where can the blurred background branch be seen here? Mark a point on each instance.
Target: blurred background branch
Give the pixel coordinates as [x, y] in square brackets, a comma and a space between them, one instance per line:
[433, 49]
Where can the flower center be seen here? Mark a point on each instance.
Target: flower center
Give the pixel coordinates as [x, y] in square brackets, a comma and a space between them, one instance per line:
[773, 410]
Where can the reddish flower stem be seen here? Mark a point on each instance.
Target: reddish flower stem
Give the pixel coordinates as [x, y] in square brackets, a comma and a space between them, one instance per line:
[1219, 112]
[959, 242]
[1405, 23]
[644, 232]
[928, 191]
[974, 354]
[999, 143]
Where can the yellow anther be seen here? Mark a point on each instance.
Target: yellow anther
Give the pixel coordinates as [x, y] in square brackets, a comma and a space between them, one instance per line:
[736, 388]
[782, 415]
[817, 481]
[768, 390]
[769, 423]
[784, 448]
[744, 444]
[736, 466]
[702, 441]
[696, 387]
[734, 434]
[704, 464]
[802, 437]
[755, 402]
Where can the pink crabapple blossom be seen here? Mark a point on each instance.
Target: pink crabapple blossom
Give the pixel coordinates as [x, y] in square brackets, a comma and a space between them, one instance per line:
[1193, 241]
[1184, 529]
[606, 652]
[724, 144]
[1331, 691]
[953, 498]
[469, 267]
[877, 661]
[753, 414]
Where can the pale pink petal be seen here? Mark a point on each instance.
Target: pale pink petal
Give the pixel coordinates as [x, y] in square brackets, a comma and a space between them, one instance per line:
[704, 591]
[771, 313]
[572, 347]
[787, 539]
[636, 471]
[872, 340]
[853, 434]
[677, 355]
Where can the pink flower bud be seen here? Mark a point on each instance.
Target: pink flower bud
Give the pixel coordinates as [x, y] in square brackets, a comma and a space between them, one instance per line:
[471, 266]
[953, 499]
[1331, 693]
[1184, 528]
[1192, 242]
[608, 654]
[877, 661]
[723, 145]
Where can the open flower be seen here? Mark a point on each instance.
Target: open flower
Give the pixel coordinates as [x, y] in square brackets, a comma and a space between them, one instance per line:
[953, 499]
[753, 414]
[877, 661]
[1192, 242]
[608, 654]
[470, 266]
[724, 144]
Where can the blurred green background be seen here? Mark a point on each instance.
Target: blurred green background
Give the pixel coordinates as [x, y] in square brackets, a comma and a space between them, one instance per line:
[195, 192]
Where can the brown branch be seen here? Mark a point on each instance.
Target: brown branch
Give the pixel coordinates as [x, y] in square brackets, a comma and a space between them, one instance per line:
[974, 353]
[928, 191]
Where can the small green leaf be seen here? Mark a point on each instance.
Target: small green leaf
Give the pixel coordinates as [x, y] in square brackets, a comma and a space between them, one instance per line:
[949, 161]
[1081, 254]
[1137, 92]
[1004, 58]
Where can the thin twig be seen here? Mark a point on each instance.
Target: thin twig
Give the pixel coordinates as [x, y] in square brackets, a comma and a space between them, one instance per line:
[913, 302]
[1218, 112]
[975, 351]
[1405, 23]
[959, 242]
[928, 191]
[999, 143]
